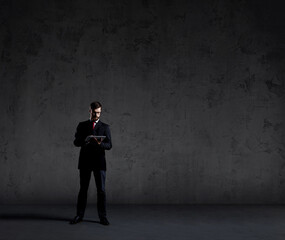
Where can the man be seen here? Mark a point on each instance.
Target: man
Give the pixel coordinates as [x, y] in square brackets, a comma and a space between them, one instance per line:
[92, 159]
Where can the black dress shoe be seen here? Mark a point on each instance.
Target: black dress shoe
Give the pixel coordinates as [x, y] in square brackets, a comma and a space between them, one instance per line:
[76, 219]
[104, 221]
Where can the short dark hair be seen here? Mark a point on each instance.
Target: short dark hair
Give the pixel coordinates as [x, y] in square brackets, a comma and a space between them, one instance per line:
[95, 105]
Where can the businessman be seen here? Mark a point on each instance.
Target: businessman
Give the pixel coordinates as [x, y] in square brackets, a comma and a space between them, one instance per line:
[92, 160]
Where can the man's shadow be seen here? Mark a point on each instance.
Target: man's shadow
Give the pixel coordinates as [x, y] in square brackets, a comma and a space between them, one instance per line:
[36, 216]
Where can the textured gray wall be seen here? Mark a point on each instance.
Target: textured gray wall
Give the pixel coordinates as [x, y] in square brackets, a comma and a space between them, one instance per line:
[193, 92]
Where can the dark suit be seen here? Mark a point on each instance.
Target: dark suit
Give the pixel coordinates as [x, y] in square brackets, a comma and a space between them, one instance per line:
[92, 159]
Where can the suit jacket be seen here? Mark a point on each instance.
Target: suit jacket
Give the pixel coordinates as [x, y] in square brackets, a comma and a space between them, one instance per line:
[92, 155]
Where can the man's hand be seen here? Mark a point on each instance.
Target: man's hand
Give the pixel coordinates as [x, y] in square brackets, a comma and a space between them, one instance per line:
[99, 141]
[88, 138]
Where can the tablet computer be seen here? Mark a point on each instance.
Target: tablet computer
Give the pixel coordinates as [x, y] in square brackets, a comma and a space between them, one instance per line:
[99, 137]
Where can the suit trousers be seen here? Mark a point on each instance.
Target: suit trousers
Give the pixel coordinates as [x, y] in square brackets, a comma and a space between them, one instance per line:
[100, 176]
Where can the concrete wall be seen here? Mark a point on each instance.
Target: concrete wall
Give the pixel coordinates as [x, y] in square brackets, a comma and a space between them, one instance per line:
[193, 92]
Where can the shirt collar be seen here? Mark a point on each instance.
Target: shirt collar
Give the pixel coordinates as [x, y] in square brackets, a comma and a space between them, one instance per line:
[95, 121]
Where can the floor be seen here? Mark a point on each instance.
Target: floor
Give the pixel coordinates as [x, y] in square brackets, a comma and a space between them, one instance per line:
[137, 222]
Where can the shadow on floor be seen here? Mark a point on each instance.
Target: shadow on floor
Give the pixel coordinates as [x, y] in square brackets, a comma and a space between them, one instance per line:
[31, 216]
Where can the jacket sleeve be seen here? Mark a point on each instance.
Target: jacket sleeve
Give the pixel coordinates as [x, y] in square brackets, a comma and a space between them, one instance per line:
[107, 143]
[79, 137]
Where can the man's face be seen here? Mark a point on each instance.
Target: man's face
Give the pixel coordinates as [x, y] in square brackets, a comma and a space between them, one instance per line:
[95, 114]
